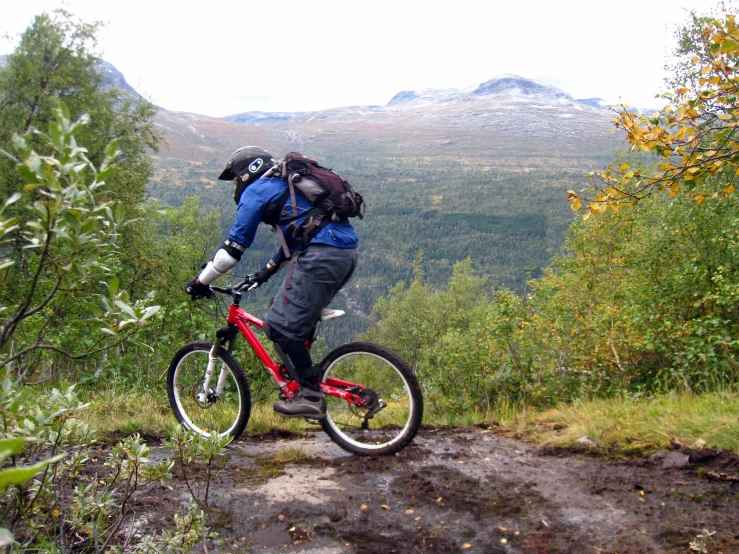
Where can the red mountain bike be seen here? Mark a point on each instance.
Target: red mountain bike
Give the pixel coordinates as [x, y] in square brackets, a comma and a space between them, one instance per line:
[373, 399]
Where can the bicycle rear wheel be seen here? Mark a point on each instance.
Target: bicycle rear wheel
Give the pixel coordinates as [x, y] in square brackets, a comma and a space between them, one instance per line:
[226, 413]
[389, 388]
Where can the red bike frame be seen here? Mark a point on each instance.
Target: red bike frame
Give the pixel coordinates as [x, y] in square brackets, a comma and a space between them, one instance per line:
[289, 387]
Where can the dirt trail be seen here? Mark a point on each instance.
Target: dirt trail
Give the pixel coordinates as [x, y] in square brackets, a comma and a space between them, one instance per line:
[469, 490]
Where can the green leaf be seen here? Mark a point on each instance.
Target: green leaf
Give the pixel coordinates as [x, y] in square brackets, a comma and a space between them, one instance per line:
[104, 175]
[13, 198]
[11, 447]
[112, 149]
[57, 135]
[28, 175]
[113, 286]
[120, 212]
[20, 475]
[150, 311]
[96, 311]
[65, 110]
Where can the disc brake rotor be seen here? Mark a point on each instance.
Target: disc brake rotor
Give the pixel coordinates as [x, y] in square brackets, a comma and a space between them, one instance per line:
[195, 393]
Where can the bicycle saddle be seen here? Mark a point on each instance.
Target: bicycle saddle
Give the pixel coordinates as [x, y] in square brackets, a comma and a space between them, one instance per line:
[327, 313]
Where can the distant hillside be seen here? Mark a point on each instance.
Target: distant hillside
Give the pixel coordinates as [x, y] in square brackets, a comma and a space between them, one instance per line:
[474, 106]
[451, 174]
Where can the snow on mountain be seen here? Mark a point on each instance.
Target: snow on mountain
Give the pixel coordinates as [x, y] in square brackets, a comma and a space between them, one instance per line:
[261, 118]
[501, 89]
[513, 85]
[507, 104]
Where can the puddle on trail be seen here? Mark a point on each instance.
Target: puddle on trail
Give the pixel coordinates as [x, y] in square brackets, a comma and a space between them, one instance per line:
[462, 490]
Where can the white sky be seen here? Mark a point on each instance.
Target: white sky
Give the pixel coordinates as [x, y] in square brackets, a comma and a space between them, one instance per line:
[221, 57]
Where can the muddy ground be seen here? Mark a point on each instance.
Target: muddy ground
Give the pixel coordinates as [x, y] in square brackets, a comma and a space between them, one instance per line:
[468, 490]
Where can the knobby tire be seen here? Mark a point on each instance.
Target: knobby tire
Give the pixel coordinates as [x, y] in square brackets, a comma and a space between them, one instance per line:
[229, 414]
[380, 369]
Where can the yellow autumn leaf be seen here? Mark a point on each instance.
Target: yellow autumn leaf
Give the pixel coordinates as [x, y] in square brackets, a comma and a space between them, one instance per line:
[576, 204]
[730, 189]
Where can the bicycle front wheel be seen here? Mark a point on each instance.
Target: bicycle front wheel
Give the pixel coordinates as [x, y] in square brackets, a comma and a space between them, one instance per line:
[224, 411]
[390, 390]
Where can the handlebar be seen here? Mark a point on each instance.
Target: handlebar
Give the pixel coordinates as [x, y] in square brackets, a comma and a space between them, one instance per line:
[249, 283]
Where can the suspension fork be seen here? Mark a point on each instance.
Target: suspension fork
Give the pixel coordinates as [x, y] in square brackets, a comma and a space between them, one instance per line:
[228, 334]
[204, 394]
[224, 371]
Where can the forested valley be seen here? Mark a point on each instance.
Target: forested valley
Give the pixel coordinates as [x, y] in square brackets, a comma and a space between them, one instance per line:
[504, 298]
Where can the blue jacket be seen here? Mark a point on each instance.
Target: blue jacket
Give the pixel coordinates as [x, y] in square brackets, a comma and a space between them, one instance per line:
[263, 192]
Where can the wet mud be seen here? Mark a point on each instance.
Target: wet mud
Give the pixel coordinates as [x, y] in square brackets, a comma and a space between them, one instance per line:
[468, 490]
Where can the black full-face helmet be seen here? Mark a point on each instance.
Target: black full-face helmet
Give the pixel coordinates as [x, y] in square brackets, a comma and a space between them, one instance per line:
[245, 166]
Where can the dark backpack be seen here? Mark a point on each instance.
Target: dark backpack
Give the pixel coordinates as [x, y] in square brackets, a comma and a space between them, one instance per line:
[332, 197]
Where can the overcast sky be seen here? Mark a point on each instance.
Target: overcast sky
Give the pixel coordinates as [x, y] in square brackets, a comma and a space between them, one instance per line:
[221, 57]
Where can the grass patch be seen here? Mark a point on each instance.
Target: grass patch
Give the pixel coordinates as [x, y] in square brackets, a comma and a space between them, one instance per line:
[291, 454]
[639, 425]
[112, 411]
[149, 413]
[270, 468]
[626, 425]
[435, 413]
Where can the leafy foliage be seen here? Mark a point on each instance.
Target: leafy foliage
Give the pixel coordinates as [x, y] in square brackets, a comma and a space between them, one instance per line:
[642, 300]
[64, 245]
[76, 501]
[693, 140]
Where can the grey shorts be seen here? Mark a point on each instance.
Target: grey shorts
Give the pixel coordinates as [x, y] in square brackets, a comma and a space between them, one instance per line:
[320, 272]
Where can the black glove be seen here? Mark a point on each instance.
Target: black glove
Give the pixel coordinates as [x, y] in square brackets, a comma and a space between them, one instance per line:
[196, 289]
[263, 275]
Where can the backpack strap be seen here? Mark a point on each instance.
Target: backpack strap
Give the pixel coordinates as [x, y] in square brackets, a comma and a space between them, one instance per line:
[278, 226]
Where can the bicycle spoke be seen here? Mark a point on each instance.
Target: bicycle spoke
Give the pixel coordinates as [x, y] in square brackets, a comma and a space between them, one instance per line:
[393, 405]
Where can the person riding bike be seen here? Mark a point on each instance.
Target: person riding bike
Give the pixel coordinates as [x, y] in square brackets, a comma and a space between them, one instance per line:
[316, 273]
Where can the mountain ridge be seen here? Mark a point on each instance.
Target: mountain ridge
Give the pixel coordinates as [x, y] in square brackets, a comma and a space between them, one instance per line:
[501, 89]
